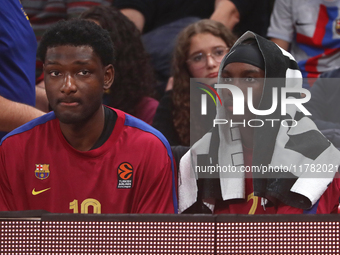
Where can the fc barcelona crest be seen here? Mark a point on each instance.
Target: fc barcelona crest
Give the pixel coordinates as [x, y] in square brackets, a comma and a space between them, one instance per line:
[337, 26]
[42, 171]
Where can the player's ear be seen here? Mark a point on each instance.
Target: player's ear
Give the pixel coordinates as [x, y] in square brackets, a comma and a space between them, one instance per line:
[108, 76]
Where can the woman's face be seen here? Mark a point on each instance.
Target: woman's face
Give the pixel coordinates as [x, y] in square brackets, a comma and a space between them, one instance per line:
[205, 55]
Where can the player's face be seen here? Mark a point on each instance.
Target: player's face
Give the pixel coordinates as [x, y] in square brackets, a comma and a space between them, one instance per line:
[205, 55]
[75, 80]
[242, 75]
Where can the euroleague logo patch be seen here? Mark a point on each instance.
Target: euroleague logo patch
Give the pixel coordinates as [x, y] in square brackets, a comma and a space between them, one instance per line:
[125, 175]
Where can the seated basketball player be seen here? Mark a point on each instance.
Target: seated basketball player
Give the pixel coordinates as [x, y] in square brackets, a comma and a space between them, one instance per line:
[259, 159]
[84, 157]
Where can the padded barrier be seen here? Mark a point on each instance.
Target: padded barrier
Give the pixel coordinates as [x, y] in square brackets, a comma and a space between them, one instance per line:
[39, 232]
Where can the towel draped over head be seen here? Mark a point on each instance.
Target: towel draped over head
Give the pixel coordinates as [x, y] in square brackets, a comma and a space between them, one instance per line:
[293, 148]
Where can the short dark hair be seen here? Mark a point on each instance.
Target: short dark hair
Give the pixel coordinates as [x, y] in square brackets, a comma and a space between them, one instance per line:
[77, 32]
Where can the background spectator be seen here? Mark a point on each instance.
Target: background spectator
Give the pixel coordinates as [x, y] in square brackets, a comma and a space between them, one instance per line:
[311, 31]
[162, 20]
[17, 67]
[198, 52]
[134, 78]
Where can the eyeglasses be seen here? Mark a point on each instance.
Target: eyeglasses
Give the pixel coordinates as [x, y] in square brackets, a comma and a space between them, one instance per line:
[199, 60]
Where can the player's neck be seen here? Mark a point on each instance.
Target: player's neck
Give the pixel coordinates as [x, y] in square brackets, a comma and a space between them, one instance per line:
[82, 136]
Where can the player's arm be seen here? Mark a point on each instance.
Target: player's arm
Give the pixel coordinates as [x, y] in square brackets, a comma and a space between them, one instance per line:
[6, 195]
[157, 187]
[135, 16]
[160, 196]
[15, 114]
[328, 202]
[226, 13]
[4, 206]
[281, 30]
[282, 43]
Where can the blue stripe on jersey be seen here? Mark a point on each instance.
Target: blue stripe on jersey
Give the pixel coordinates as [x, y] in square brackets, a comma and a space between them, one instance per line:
[302, 67]
[311, 50]
[328, 40]
[31, 124]
[313, 209]
[134, 122]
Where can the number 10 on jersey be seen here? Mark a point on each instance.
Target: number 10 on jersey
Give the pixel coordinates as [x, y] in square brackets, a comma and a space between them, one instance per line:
[84, 207]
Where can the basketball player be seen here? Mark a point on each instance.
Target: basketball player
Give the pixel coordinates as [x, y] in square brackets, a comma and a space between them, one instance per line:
[256, 166]
[84, 157]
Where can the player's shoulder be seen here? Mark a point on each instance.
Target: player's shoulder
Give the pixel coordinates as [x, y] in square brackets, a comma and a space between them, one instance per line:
[142, 134]
[21, 131]
[145, 130]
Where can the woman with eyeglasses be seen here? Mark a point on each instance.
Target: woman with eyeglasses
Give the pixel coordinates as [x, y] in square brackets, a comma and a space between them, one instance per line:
[198, 53]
